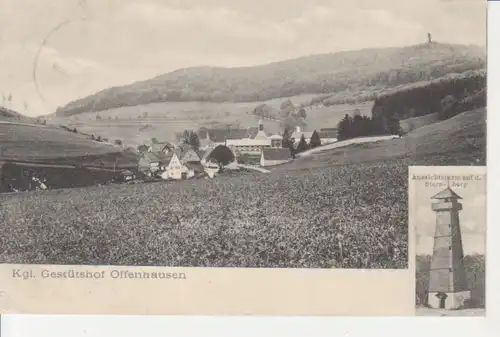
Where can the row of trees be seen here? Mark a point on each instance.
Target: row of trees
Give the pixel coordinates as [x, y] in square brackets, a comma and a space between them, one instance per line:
[303, 145]
[421, 100]
[364, 126]
[287, 109]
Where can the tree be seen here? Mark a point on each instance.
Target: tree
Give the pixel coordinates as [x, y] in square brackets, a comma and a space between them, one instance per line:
[221, 155]
[302, 113]
[287, 142]
[142, 148]
[74, 130]
[118, 142]
[344, 128]
[315, 140]
[154, 140]
[302, 146]
[145, 114]
[286, 108]
[97, 117]
[194, 141]
[263, 110]
[191, 138]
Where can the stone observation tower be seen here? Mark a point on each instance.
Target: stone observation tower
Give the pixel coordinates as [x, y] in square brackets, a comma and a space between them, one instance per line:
[447, 281]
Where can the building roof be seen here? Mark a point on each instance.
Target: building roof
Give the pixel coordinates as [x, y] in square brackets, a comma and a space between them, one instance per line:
[328, 133]
[220, 135]
[276, 137]
[182, 149]
[248, 142]
[447, 193]
[260, 135]
[297, 135]
[150, 157]
[197, 167]
[159, 147]
[276, 154]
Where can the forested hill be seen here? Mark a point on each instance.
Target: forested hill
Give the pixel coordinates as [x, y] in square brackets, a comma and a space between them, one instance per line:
[360, 72]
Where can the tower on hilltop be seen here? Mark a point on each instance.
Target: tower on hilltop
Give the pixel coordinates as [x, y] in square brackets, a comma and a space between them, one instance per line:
[447, 282]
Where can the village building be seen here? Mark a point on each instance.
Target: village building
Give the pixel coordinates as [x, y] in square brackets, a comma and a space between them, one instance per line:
[254, 145]
[184, 163]
[150, 163]
[297, 134]
[328, 135]
[275, 156]
[164, 147]
[210, 138]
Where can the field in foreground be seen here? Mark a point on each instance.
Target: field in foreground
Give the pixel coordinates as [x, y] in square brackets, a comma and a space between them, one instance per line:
[348, 217]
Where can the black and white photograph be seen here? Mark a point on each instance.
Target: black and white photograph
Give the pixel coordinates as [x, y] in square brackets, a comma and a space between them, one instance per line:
[449, 217]
[235, 134]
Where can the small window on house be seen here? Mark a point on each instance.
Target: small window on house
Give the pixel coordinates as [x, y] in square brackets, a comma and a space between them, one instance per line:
[450, 269]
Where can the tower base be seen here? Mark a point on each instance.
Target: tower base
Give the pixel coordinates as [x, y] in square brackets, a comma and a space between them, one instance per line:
[451, 300]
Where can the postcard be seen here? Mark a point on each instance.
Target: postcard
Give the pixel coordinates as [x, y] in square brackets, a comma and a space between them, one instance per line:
[233, 157]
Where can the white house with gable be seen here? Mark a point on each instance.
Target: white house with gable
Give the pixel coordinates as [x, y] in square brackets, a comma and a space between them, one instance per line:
[184, 163]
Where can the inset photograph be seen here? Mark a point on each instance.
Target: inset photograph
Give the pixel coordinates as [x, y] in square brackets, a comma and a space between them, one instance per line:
[448, 213]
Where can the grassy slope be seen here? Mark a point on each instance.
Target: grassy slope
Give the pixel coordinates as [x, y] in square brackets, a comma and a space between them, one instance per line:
[352, 72]
[411, 124]
[50, 144]
[13, 116]
[460, 140]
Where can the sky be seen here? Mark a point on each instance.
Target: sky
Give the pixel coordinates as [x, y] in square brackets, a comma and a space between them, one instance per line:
[84, 46]
[472, 216]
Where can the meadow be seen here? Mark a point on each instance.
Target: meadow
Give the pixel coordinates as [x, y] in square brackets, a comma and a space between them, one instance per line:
[350, 216]
[165, 119]
[36, 142]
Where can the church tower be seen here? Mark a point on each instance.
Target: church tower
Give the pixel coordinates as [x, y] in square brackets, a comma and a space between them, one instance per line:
[261, 134]
[447, 282]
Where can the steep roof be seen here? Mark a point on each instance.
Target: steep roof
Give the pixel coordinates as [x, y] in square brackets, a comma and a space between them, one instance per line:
[182, 149]
[150, 157]
[447, 193]
[277, 154]
[159, 147]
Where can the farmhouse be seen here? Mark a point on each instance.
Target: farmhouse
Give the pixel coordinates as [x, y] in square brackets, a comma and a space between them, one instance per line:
[275, 156]
[149, 163]
[328, 135]
[213, 137]
[254, 145]
[184, 163]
